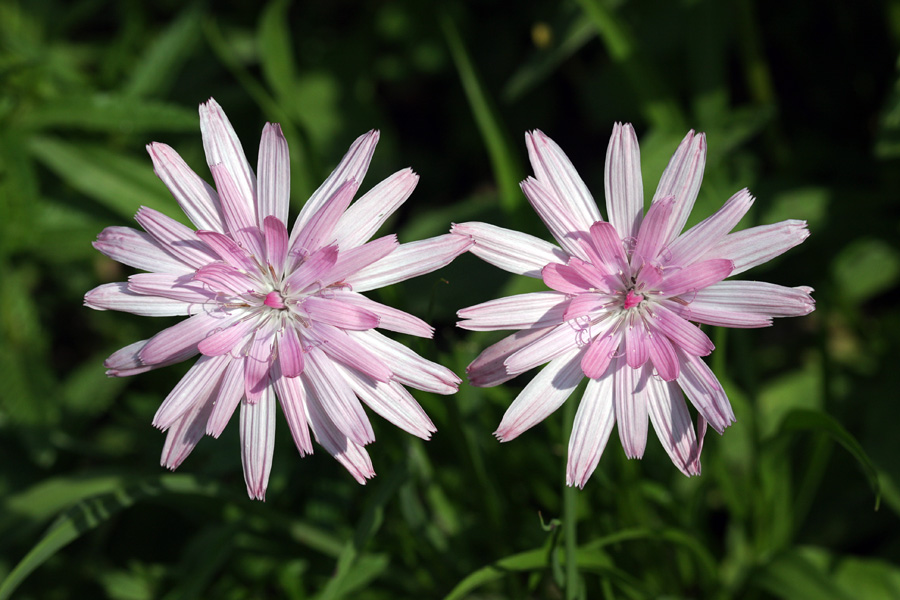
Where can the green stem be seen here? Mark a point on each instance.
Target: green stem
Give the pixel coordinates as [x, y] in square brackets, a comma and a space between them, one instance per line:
[570, 516]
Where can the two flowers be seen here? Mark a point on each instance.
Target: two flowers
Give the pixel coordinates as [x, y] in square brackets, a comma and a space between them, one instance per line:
[279, 317]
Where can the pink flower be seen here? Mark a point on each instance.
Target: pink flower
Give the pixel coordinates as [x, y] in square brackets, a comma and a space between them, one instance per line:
[623, 293]
[272, 315]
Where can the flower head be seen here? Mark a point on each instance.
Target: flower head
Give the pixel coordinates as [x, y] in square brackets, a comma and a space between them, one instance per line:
[622, 297]
[274, 315]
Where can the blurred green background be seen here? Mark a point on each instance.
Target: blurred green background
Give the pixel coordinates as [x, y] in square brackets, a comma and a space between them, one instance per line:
[800, 102]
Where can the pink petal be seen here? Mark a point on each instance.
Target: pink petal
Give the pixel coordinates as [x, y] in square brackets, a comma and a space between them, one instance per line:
[319, 230]
[608, 245]
[543, 395]
[489, 368]
[177, 239]
[650, 237]
[221, 277]
[337, 398]
[672, 423]
[231, 338]
[637, 346]
[139, 250]
[713, 314]
[197, 199]
[663, 356]
[565, 279]
[258, 442]
[199, 382]
[258, 362]
[584, 305]
[563, 338]
[276, 237]
[222, 146]
[705, 392]
[409, 260]
[239, 211]
[554, 169]
[343, 348]
[680, 332]
[182, 338]
[698, 240]
[391, 401]
[292, 396]
[229, 250]
[524, 311]
[117, 296]
[695, 277]
[352, 456]
[624, 189]
[349, 262]
[757, 297]
[231, 390]
[388, 318]
[408, 367]
[126, 361]
[332, 311]
[274, 168]
[353, 166]
[556, 216]
[365, 216]
[590, 430]
[681, 180]
[290, 351]
[173, 286]
[184, 434]
[510, 250]
[757, 245]
[631, 407]
[597, 358]
[315, 267]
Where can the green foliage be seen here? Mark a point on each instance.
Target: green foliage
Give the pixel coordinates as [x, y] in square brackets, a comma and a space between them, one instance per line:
[780, 510]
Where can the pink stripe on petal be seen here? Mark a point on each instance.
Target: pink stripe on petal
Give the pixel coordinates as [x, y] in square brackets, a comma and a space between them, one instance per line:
[231, 390]
[543, 395]
[599, 277]
[239, 211]
[554, 169]
[596, 360]
[565, 279]
[590, 430]
[274, 169]
[631, 407]
[170, 285]
[222, 146]
[332, 311]
[117, 296]
[389, 318]
[758, 297]
[637, 346]
[276, 239]
[184, 434]
[672, 423]
[651, 236]
[524, 311]
[319, 230]
[681, 180]
[198, 383]
[353, 166]
[697, 241]
[705, 393]
[258, 442]
[624, 189]
[608, 245]
[352, 456]
[584, 305]
[224, 278]
[392, 402]
[292, 396]
[126, 361]
[408, 367]
[680, 332]
[139, 250]
[231, 339]
[312, 269]
[349, 262]
[757, 245]
[489, 369]
[510, 250]
[563, 338]
[290, 351]
[365, 216]
[663, 356]
[409, 260]
[712, 314]
[338, 345]
[337, 398]
[182, 339]
[695, 277]
[258, 362]
[229, 250]
[556, 217]
[197, 199]
[179, 240]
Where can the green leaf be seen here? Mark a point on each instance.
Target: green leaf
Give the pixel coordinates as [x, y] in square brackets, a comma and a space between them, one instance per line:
[117, 181]
[865, 268]
[799, 574]
[814, 420]
[155, 71]
[276, 53]
[502, 157]
[110, 113]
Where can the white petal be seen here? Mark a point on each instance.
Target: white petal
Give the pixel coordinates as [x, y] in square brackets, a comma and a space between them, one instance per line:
[631, 406]
[352, 456]
[391, 401]
[231, 390]
[757, 245]
[139, 250]
[408, 367]
[673, 425]
[184, 434]
[274, 168]
[489, 369]
[258, 443]
[510, 250]
[563, 226]
[590, 431]
[197, 199]
[559, 341]
[336, 398]
[697, 241]
[622, 176]
[365, 216]
[390, 318]
[222, 146]
[705, 392]
[681, 179]
[292, 395]
[523, 311]
[409, 260]
[199, 382]
[116, 296]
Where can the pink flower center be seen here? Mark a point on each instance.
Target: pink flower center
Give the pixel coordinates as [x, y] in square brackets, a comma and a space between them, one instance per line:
[274, 300]
[632, 299]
